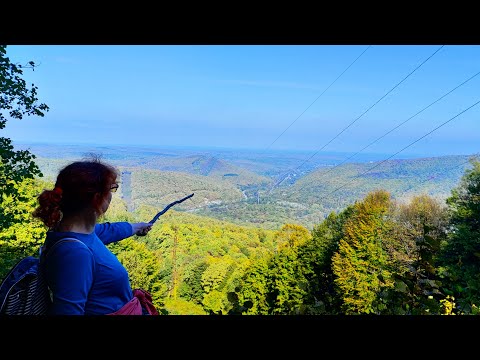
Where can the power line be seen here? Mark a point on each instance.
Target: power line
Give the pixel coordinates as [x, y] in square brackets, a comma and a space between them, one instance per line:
[396, 127]
[398, 152]
[388, 92]
[355, 120]
[338, 77]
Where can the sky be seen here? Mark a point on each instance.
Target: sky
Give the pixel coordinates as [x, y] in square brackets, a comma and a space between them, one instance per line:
[314, 98]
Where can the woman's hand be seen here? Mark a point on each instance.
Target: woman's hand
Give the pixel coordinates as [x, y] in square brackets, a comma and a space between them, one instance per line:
[141, 228]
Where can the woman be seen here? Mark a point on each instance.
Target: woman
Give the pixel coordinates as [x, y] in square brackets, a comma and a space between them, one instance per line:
[85, 277]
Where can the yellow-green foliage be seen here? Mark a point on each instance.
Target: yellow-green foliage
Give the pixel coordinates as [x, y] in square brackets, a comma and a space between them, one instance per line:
[448, 305]
[361, 264]
[276, 283]
[255, 288]
[25, 236]
[214, 280]
[143, 267]
[287, 273]
[291, 235]
[182, 242]
[216, 273]
[183, 307]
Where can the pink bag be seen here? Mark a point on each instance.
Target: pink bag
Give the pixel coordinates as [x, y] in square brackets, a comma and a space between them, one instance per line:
[134, 306]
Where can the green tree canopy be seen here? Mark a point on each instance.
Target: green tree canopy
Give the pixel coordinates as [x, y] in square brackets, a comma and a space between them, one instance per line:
[17, 100]
[361, 264]
[461, 255]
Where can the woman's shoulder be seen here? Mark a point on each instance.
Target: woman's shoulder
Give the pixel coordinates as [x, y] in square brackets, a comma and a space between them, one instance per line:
[61, 244]
[54, 237]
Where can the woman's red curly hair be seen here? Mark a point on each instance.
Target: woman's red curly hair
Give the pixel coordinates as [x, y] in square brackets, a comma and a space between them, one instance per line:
[75, 189]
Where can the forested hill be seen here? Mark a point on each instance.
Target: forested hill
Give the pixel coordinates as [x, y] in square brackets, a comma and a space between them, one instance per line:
[309, 199]
[335, 188]
[248, 197]
[199, 164]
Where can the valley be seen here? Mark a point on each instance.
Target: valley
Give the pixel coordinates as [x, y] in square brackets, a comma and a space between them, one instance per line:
[248, 188]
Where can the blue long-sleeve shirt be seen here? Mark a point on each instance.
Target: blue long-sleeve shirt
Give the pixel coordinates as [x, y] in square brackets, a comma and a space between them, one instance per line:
[87, 278]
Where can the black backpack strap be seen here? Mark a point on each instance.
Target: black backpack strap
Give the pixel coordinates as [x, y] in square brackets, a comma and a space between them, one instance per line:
[44, 251]
[59, 242]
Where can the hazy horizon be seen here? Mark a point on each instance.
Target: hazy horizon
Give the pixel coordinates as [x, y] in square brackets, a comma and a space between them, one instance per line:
[278, 152]
[308, 98]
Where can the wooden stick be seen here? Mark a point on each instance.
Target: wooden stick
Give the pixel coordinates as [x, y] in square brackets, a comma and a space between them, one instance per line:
[155, 218]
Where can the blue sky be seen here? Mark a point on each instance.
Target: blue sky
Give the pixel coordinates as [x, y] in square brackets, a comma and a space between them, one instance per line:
[264, 97]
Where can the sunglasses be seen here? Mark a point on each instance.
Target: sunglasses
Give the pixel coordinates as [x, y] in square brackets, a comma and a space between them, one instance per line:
[114, 187]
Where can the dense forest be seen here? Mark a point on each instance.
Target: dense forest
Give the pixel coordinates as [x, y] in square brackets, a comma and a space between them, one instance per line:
[376, 256]
[366, 251]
